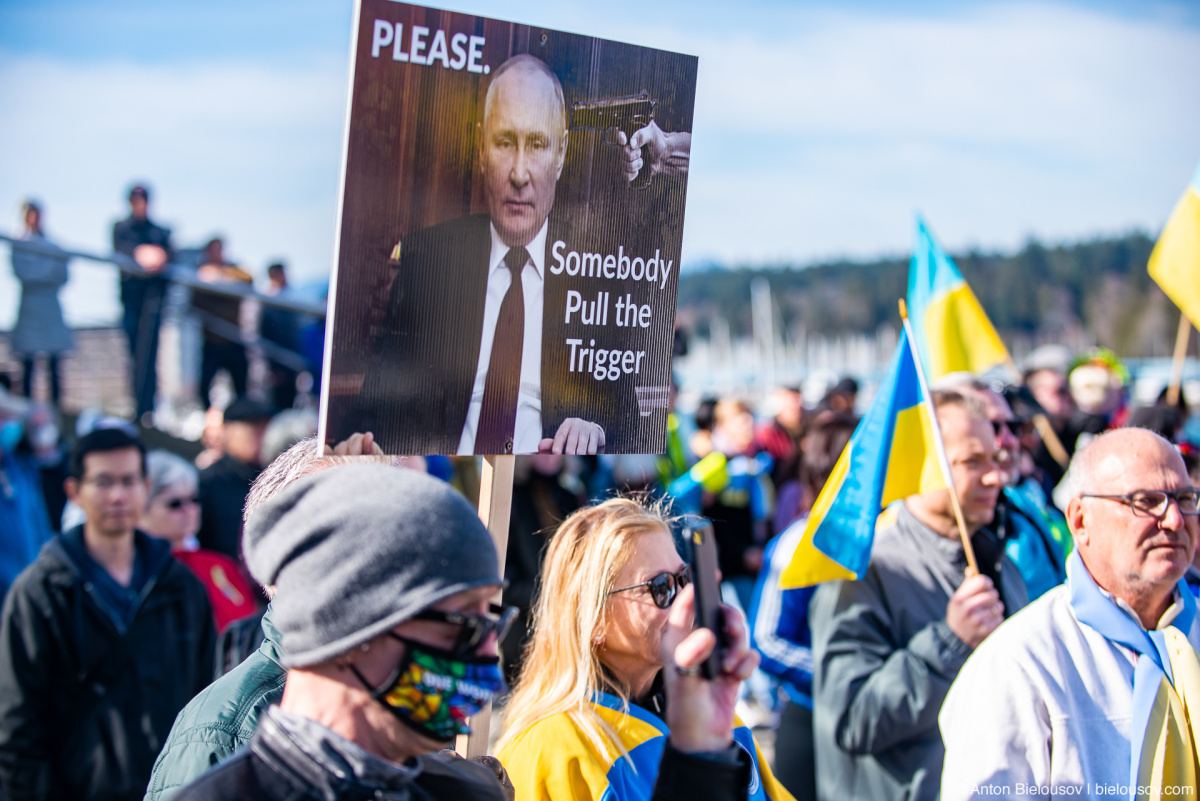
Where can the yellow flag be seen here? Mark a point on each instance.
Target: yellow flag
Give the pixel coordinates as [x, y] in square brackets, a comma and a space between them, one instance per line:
[1175, 262]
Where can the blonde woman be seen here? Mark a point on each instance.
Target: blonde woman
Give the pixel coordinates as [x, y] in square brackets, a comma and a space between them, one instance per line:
[588, 718]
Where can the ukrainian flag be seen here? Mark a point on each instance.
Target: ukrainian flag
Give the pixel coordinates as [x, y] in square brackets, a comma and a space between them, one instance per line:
[890, 456]
[952, 332]
[1175, 262]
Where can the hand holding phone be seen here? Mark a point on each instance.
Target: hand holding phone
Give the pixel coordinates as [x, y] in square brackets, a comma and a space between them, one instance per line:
[700, 713]
[703, 562]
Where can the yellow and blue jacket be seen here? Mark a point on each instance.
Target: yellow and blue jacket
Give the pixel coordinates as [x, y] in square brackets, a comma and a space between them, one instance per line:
[553, 761]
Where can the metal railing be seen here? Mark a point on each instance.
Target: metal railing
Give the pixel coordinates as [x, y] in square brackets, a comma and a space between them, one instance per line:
[185, 276]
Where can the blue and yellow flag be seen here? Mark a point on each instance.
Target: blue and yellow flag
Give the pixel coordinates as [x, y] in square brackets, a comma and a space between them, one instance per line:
[1175, 262]
[952, 332]
[891, 455]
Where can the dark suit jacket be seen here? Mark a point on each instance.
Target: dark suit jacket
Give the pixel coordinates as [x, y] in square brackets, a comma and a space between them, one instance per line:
[417, 392]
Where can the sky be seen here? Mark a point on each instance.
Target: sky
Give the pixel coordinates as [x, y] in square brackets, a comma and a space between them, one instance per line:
[821, 128]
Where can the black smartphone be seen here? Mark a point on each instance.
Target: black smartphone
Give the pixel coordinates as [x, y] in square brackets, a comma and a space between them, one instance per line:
[703, 562]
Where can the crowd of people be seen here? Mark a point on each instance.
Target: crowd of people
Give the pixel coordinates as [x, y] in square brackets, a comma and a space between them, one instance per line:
[145, 253]
[271, 618]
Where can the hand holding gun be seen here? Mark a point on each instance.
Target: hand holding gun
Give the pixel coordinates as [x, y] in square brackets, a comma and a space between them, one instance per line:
[619, 118]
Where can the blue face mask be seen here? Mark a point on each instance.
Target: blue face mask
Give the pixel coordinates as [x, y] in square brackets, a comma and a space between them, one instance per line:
[10, 435]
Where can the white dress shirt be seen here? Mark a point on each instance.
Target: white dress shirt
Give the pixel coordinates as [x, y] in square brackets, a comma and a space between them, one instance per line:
[528, 430]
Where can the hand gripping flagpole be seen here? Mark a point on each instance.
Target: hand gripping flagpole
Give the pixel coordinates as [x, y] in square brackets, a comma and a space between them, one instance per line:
[940, 446]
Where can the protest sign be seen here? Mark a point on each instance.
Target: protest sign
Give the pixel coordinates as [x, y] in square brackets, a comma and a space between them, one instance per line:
[475, 151]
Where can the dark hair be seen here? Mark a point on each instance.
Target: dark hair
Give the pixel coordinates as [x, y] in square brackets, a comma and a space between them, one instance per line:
[1180, 403]
[1164, 420]
[103, 440]
[847, 386]
[704, 414]
[826, 439]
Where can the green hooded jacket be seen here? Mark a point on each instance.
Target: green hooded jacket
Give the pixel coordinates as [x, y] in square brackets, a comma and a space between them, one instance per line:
[221, 719]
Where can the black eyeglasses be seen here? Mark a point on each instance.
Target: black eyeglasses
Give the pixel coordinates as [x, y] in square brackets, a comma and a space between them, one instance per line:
[663, 587]
[175, 504]
[1154, 503]
[473, 629]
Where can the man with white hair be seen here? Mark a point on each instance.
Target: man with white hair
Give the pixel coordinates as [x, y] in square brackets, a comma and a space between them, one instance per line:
[1088, 689]
[222, 718]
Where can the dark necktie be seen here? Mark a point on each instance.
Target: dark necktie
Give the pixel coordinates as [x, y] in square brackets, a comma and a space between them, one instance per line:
[498, 414]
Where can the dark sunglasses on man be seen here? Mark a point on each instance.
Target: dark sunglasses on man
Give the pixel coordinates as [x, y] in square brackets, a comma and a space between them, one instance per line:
[1016, 425]
[473, 629]
[663, 587]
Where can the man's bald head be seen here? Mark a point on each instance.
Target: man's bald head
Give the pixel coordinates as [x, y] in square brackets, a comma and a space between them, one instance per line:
[1129, 551]
[1099, 466]
[529, 67]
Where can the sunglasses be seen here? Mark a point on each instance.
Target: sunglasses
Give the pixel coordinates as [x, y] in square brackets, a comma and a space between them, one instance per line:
[473, 629]
[1016, 426]
[663, 587]
[175, 504]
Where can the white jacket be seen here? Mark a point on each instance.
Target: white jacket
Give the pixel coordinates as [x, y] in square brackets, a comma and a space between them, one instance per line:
[1042, 708]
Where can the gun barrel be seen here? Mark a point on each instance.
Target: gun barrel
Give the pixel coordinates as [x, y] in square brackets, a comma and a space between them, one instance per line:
[610, 102]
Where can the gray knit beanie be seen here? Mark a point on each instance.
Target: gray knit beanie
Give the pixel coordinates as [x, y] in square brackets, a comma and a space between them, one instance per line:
[355, 550]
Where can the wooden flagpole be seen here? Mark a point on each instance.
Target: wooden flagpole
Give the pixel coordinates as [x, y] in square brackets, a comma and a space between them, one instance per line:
[1182, 337]
[495, 506]
[940, 446]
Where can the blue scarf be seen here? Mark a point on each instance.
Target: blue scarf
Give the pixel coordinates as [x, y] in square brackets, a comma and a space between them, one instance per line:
[1093, 608]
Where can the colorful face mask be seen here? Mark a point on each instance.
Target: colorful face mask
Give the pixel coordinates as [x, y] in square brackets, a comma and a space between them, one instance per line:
[434, 693]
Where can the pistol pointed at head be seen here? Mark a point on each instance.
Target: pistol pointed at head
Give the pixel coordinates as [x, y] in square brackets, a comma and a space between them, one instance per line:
[522, 145]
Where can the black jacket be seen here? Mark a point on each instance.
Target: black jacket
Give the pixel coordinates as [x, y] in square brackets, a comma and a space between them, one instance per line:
[417, 390]
[86, 701]
[308, 763]
[288, 765]
[126, 236]
[224, 485]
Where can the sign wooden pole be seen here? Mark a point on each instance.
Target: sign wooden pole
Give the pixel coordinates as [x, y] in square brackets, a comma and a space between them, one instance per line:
[1182, 337]
[495, 505]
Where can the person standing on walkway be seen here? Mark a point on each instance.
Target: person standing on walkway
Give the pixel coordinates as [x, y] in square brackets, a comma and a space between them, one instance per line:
[149, 246]
[41, 267]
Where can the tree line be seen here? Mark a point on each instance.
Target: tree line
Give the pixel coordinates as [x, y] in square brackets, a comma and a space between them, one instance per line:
[1095, 291]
